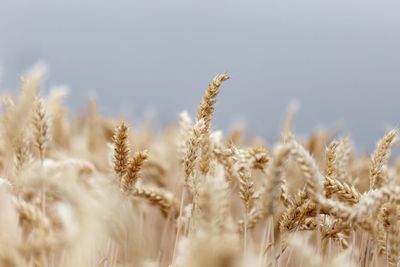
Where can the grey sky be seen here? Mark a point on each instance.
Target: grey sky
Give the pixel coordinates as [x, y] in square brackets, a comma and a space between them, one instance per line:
[340, 58]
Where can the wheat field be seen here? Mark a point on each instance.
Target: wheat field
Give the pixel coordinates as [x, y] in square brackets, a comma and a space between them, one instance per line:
[94, 191]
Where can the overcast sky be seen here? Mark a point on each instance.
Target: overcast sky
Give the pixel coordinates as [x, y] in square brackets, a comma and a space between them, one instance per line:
[339, 58]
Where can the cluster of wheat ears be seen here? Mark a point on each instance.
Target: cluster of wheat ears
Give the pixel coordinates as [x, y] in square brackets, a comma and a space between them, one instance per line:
[94, 192]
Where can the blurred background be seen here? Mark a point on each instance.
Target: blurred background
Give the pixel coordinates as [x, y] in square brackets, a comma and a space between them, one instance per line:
[340, 59]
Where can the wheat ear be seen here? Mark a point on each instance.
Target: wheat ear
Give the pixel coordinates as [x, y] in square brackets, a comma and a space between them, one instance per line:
[331, 159]
[31, 214]
[121, 150]
[309, 168]
[345, 192]
[380, 158]
[275, 174]
[343, 153]
[205, 112]
[392, 232]
[163, 200]
[191, 156]
[41, 126]
[243, 172]
[185, 130]
[258, 158]
[132, 171]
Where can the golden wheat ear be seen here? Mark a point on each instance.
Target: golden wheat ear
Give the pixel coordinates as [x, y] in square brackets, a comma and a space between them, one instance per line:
[205, 112]
[157, 197]
[185, 128]
[132, 171]
[191, 154]
[17, 118]
[121, 150]
[31, 214]
[246, 185]
[388, 218]
[41, 127]
[344, 155]
[309, 168]
[379, 159]
[275, 173]
[331, 159]
[60, 135]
